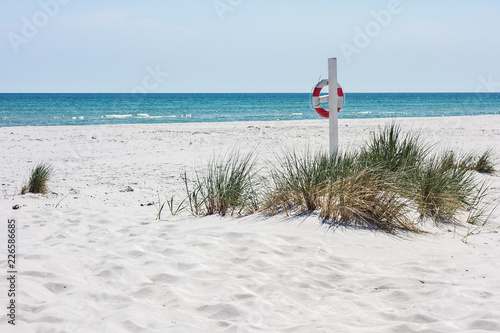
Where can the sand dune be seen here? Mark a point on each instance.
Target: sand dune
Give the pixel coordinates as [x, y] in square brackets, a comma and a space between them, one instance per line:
[92, 259]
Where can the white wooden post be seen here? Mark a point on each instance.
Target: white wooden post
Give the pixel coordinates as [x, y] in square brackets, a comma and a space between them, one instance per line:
[332, 105]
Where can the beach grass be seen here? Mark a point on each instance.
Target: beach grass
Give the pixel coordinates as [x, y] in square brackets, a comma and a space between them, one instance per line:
[299, 179]
[342, 188]
[483, 163]
[193, 195]
[392, 150]
[39, 177]
[385, 184]
[227, 186]
[159, 207]
[174, 207]
[392, 178]
[366, 199]
[482, 207]
[441, 193]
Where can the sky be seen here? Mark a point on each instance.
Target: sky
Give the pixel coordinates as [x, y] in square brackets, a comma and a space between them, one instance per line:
[225, 46]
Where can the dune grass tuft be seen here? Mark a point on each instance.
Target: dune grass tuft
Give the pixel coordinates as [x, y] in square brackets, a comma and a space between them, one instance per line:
[341, 188]
[39, 177]
[482, 163]
[392, 150]
[299, 180]
[441, 192]
[365, 199]
[226, 187]
[482, 207]
[391, 179]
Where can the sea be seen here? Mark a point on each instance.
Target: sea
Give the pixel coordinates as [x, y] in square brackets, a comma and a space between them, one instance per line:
[30, 109]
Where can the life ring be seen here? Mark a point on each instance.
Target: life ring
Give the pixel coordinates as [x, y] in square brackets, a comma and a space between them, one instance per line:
[317, 99]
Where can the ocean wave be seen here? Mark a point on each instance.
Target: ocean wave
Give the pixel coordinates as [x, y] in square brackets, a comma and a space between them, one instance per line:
[137, 115]
[187, 115]
[297, 114]
[145, 115]
[78, 118]
[116, 116]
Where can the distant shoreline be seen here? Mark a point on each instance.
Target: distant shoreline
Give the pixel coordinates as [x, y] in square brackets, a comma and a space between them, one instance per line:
[319, 120]
[247, 93]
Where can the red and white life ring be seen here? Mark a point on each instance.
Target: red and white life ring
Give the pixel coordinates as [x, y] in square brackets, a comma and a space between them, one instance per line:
[317, 99]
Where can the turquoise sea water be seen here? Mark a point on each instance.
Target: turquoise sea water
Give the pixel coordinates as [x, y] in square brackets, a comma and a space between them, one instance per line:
[92, 109]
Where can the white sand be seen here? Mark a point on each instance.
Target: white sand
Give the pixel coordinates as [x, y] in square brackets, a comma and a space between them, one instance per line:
[100, 262]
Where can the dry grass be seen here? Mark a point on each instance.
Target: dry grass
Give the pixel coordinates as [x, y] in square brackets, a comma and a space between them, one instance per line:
[364, 199]
[40, 175]
[298, 181]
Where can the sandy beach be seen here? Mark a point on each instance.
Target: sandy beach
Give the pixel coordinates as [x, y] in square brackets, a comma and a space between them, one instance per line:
[91, 256]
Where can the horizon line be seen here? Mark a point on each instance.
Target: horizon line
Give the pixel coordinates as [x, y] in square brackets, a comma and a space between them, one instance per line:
[351, 92]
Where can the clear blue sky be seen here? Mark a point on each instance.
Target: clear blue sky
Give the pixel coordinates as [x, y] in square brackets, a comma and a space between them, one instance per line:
[248, 45]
